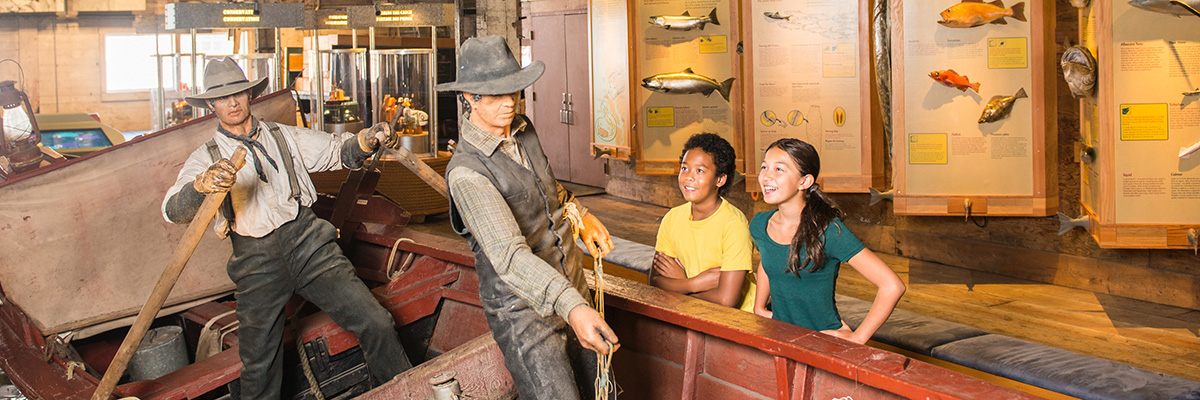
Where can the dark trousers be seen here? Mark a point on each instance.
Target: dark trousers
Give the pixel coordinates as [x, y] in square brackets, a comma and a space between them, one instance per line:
[302, 257]
[542, 354]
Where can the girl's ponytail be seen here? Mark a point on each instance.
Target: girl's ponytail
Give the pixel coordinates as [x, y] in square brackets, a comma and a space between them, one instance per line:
[819, 209]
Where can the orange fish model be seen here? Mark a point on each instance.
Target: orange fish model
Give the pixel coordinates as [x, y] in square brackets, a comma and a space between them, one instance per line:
[972, 13]
[954, 80]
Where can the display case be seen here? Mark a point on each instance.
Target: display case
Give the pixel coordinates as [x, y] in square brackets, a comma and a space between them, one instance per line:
[974, 108]
[402, 95]
[809, 78]
[343, 89]
[175, 82]
[1140, 125]
[255, 66]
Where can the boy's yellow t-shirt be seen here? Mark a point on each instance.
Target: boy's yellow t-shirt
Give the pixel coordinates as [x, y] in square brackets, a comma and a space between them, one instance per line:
[721, 240]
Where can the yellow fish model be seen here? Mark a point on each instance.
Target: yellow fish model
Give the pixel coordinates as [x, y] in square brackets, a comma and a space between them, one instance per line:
[972, 13]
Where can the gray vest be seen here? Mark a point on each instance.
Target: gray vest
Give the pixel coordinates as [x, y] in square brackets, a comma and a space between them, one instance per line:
[532, 196]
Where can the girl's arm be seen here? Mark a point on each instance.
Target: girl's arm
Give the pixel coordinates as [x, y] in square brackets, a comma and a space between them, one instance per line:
[762, 293]
[890, 289]
[728, 290]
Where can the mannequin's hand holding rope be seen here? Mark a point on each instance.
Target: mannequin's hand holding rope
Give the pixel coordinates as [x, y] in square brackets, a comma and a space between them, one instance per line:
[594, 334]
[595, 236]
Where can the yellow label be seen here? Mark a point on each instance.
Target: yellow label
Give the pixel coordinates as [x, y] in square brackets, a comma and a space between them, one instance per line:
[1143, 121]
[237, 11]
[1008, 52]
[839, 60]
[660, 117]
[927, 148]
[248, 18]
[714, 44]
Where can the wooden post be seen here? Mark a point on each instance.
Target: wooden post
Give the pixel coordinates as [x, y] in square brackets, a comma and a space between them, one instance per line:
[420, 169]
[166, 282]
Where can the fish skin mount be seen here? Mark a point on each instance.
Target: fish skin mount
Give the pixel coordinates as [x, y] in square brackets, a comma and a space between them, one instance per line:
[685, 21]
[687, 82]
[999, 107]
[973, 13]
[953, 79]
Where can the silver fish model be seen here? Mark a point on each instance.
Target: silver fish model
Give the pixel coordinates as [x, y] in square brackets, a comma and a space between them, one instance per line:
[999, 106]
[877, 196]
[777, 15]
[1167, 6]
[685, 82]
[1192, 93]
[685, 22]
[1066, 224]
[1079, 70]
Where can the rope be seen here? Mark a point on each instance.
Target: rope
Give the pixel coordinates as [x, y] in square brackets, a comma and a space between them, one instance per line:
[392, 258]
[313, 386]
[605, 385]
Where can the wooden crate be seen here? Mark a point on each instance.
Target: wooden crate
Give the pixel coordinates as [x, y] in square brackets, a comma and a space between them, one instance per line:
[804, 80]
[1136, 191]
[956, 165]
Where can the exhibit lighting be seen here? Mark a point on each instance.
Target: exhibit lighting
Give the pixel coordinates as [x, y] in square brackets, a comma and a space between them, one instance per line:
[19, 134]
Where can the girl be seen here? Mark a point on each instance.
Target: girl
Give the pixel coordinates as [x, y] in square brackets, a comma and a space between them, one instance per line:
[803, 243]
[704, 245]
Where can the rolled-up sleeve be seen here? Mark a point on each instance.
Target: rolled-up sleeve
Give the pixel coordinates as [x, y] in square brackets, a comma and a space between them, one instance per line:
[489, 219]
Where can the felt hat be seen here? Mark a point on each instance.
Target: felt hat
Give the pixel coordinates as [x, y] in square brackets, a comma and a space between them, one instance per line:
[224, 77]
[487, 66]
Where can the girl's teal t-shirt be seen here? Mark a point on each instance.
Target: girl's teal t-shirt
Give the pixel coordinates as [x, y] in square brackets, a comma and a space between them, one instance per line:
[807, 300]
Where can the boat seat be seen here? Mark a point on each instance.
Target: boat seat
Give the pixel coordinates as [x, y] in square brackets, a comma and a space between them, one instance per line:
[628, 254]
[1043, 366]
[906, 329]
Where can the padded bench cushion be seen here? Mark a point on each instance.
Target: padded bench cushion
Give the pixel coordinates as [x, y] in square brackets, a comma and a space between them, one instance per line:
[1064, 371]
[628, 254]
[904, 329]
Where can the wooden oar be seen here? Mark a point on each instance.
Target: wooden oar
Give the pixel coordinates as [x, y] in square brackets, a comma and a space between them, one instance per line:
[422, 170]
[170, 275]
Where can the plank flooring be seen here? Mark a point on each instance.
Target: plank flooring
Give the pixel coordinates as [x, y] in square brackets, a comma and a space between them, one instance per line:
[1152, 336]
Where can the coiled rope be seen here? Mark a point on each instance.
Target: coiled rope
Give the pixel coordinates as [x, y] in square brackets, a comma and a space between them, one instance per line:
[605, 385]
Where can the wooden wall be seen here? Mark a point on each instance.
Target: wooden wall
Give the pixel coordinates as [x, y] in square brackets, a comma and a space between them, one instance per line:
[1027, 248]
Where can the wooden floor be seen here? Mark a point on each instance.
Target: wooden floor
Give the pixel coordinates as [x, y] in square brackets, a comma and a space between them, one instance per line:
[1156, 337]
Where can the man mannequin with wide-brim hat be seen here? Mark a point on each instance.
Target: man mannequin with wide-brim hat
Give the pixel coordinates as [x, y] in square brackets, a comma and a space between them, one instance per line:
[280, 248]
[507, 204]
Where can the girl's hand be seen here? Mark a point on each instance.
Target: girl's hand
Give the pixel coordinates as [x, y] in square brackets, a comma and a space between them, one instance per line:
[762, 312]
[845, 333]
[668, 267]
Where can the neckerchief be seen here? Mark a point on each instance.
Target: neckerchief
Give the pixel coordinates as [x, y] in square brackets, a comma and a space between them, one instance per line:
[254, 146]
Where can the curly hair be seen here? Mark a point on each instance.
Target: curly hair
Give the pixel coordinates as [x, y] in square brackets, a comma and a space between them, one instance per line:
[722, 154]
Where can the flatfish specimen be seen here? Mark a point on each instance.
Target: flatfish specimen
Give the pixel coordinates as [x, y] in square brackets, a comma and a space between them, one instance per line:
[685, 21]
[972, 13]
[686, 82]
[1079, 70]
[999, 106]
[1167, 6]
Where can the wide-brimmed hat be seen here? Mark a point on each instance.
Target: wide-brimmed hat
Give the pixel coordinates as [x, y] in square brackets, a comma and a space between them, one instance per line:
[487, 66]
[224, 77]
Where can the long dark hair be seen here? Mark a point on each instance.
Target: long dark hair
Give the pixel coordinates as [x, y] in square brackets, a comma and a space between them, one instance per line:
[819, 209]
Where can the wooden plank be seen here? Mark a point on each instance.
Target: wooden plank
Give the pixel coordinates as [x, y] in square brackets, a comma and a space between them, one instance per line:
[692, 364]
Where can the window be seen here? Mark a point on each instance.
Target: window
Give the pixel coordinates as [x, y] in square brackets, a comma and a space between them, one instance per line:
[129, 60]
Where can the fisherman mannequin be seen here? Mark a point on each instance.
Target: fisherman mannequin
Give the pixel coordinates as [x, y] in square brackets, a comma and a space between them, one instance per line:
[279, 246]
[507, 204]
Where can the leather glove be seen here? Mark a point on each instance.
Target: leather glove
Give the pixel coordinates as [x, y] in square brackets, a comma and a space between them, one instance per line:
[369, 139]
[219, 177]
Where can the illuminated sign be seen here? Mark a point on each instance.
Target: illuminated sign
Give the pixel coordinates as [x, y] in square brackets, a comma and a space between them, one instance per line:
[238, 11]
[394, 16]
[239, 19]
[337, 19]
[233, 15]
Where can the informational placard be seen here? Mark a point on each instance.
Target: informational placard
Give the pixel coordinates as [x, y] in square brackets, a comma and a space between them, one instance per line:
[809, 79]
[1155, 62]
[401, 15]
[685, 62]
[233, 15]
[611, 122]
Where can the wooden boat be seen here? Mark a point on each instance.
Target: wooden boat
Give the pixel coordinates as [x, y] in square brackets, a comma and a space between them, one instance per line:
[85, 241]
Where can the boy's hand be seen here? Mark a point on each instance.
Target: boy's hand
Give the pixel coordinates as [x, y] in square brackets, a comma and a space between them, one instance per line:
[591, 329]
[708, 280]
[668, 267]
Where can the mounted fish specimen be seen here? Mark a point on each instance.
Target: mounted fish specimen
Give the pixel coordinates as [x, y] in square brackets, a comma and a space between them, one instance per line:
[1167, 6]
[1079, 70]
[877, 196]
[954, 80]
[686, 82]
[972, 13]
[1066, 224]
[999, 107]
[1185, 152]
[777, 15]
[685, 22]
[1079, 3]
[1192, 93]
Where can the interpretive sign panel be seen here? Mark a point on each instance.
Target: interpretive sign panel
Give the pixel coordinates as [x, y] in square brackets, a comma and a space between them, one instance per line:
[611, 123]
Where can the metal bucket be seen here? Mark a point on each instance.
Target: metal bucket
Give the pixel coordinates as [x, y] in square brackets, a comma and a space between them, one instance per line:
[161, 352]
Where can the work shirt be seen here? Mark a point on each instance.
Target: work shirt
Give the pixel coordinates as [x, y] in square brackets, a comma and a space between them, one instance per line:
[488, 218]
[720, 241]
[260, 207]
[806, 300]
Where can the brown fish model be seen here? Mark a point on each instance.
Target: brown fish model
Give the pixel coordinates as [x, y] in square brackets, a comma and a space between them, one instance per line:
[1000, 106]
[954, 80]
[972, 13]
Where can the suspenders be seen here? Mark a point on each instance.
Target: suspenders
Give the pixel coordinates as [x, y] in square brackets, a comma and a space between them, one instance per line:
[288, 164]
